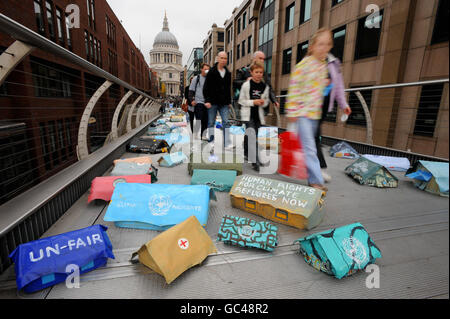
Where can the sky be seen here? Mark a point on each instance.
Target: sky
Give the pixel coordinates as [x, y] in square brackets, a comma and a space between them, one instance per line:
[189, 20]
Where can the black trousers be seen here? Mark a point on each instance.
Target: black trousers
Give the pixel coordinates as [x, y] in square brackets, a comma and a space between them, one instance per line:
[191, 120]
[201, 113]
[323, 163]
[254, 124]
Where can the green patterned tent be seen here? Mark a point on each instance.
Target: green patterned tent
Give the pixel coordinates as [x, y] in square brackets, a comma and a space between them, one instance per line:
[370, 173]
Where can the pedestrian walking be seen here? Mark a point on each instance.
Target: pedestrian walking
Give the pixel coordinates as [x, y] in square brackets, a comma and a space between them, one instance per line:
[217, 93]
[335, 91]
[253, 98]
[198, 100]
[190, 107]
[305, 100]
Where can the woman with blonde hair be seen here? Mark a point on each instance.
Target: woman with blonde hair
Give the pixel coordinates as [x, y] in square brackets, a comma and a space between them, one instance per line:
[307, 87]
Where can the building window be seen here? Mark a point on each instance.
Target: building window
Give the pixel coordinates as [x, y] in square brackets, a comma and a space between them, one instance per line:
[287, 58]
[39, 17]
[428, 110]
[91, 12]
[243, 48]
[99, 48]
[239, 26]
[440, 31]
[44, 145]
[305, 11]
[49, 81]
[238, 52]
[244, 20]
[228, 36]
[50, 20]
[358, 117]
[283, 101]
[86, 44]
[220, 37]
[302, 50]
[289, 22]
[249, 44]
[68, 34]
[331, 116]
[335, 2]
[368, 39]
[265, 34]
[170, 75]
[339, 42]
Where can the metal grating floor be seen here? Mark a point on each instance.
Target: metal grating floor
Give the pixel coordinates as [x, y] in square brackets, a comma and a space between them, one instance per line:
[408, 225]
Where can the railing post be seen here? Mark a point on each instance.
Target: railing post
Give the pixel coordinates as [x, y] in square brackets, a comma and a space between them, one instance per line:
[114, 130]
[130, 114]
[82, 147]
[139, 111]
[11, 57]
[369, 136]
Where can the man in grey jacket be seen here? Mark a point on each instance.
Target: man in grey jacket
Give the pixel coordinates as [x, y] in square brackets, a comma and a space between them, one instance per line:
[198, 100]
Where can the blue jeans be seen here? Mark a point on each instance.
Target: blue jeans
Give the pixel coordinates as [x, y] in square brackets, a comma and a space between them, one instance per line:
[306, 129]
[212, 113]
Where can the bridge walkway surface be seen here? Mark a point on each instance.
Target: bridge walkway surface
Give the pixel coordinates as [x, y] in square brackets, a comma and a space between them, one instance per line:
[408, 225]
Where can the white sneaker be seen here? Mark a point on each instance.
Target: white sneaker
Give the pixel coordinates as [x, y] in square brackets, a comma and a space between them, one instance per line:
[327, 178]
[230, 147]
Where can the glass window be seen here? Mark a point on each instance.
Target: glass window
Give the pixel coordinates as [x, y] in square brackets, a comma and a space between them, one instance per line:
[335, 2]
[38, 16]
[368, 39]
[428, 110]
[249, 44]
[270, 30]
[287, 58]
[238, 52]
[358, 117]
[305, 11]
[302, 50]
[50, 20]
[440, 31]
[339, 42]
[68, 35]
[244, 20]
[289, 22]
[243, 48]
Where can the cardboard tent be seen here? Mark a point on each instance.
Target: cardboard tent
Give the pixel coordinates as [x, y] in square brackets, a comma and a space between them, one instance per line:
[158, 206]
[103, 187]
[245, 232]
[172, 159]
[146, 144]
[218, 161]
[176, 250]
[285, 203]
[431, 177]
[370, 173]
[43, 263]
[343, 150]
[339, 252]
[219, 180]
[400, 164]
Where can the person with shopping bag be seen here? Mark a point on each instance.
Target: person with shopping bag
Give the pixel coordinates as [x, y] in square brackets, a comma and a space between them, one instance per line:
[305, 99]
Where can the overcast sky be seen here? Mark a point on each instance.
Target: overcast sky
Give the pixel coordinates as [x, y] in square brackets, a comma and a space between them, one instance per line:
[189, 20]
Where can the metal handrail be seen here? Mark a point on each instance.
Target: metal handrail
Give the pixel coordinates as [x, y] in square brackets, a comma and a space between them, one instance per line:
[22, 33]
[389, 86]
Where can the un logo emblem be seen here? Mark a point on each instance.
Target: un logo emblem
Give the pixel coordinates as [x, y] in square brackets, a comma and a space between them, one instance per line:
[159, 205]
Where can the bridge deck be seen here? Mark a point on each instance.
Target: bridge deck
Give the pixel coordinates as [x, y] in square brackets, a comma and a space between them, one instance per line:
[408, 225]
